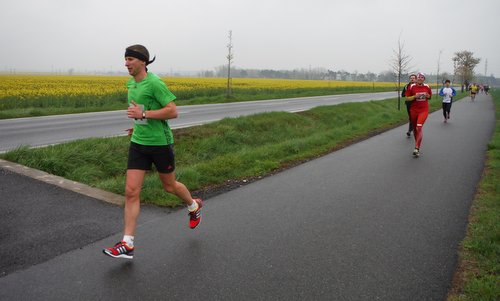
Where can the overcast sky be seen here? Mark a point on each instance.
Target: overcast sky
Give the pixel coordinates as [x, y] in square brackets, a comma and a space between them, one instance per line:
[191, 35]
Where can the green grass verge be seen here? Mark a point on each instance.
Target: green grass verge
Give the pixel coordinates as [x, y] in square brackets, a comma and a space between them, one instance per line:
[211, 154]
[477, 276]
[13, 107]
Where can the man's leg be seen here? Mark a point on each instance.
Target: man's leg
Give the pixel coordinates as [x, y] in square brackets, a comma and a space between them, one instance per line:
[194, 206]
[419, 134]
[413, 121]
[133, 185]
[171, 185]
[410, 126]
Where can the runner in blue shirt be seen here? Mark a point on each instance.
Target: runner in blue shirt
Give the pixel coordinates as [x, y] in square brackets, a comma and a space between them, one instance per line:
[447, 93]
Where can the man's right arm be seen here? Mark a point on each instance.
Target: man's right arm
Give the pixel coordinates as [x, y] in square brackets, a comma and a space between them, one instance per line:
[409, 95]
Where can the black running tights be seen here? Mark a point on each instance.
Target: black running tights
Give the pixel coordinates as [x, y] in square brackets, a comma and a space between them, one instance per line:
[446, 109]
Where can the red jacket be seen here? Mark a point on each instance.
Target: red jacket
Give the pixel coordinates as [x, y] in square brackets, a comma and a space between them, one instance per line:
[419, 91]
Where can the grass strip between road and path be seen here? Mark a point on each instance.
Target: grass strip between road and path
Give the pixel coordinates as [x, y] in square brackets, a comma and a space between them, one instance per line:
[478, 273]
[232, 150]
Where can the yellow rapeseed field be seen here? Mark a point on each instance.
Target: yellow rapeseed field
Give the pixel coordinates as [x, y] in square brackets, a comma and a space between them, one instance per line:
[36, 86]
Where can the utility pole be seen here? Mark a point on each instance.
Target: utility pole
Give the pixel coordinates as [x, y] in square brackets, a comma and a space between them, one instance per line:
[229, 60]
[437, 74]
[455, 72]
[485, 69]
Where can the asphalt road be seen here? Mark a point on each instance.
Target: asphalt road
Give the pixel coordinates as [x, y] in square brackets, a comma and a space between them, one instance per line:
[39, 221]
[40, 131]
[368, 222]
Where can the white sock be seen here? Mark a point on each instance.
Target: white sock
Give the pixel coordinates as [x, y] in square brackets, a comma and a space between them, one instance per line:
[193, 206]
[129, 240]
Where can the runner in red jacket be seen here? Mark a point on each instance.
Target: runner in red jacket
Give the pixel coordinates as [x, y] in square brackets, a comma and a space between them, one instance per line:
[419, 94]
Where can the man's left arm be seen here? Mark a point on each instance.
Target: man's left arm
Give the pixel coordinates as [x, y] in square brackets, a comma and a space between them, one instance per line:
[169, 111]
[166, 99]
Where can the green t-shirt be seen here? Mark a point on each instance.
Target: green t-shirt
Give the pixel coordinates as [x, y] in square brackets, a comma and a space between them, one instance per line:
[151, 94]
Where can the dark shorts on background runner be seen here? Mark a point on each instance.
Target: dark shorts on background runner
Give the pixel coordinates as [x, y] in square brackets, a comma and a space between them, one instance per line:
[143, 156]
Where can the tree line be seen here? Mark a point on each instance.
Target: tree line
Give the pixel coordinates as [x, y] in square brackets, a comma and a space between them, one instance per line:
[327, 74]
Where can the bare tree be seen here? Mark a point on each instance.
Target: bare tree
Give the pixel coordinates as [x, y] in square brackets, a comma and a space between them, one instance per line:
[444, 76]
[464, 63]
[399, 64]
[229, 61]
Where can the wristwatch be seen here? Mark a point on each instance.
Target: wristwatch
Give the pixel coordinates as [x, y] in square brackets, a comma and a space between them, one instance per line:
[143, 115]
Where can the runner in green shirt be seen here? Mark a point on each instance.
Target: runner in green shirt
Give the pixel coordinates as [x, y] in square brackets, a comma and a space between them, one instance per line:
[151, 104]
[151, 93]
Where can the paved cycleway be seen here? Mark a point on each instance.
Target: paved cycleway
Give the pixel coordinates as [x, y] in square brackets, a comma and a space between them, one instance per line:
[368, 222]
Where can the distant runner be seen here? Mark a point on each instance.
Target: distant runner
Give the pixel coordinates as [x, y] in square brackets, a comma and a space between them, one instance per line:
[151, 104]
[447, 93]
[473, 91]
[419, 94]
[486, 89]
[413, 79]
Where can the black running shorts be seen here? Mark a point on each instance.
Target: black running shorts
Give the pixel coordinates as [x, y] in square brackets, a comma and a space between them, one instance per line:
[142, 156]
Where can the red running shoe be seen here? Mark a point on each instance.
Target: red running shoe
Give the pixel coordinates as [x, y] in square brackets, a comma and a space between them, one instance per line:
[120, 250]
[195, 216]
